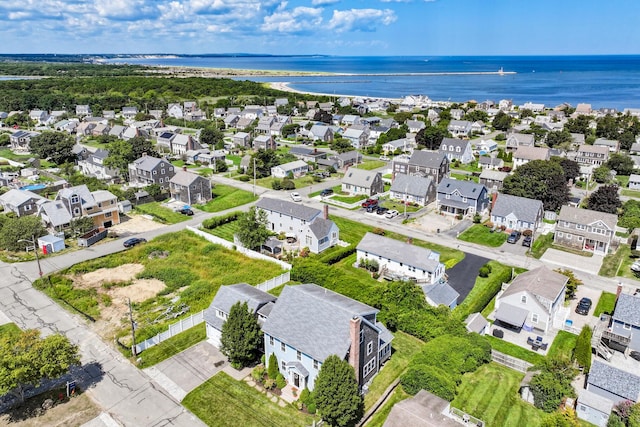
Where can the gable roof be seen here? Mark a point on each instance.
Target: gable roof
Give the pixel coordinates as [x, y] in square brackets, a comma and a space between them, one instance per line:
[520, 139]
[184, 178]
[523, 208]
[531, 153]
[15, 197]
[398, 251]
[600, 149]
[587, 216]
[323, 330]
[467, 189]
[614, 380]
[475, 322]
[359, 177]
[147, 163]
[56, 212]
[296, 164]
[540, 282]
[493, 175]
[440, 293]
[628, 309]
[430, 159]
[82, 191]
[413, 185]
[321, 227]
[463, 144]
[227, 296]
[285, 207]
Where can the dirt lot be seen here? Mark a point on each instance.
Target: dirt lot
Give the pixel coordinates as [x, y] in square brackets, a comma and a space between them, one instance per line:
[135, 224]
[431, 222]
[68, 413]
[119, 284]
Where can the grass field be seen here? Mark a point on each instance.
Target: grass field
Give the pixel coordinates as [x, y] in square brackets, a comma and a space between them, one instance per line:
[491, 394]
[464, 177]
[563, 345]
[541, 244]
[227, 197]
[349, 199]
[400, 207]
[606, 304]
[160, 213]
[612, 263]
[371, 164]
[172, 346]
[515, 350]
[482, 235]
[630, 193]
[223, 401]
[382, 413]
[225, 231]
[404, 347]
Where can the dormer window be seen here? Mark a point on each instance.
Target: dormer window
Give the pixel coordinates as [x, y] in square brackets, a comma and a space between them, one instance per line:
[75, 198]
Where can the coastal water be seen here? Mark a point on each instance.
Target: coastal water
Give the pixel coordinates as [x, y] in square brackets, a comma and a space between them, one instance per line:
[603, 81]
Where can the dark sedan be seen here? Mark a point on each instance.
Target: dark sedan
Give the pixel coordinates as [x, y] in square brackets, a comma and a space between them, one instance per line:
[129, 243]
[583, 306]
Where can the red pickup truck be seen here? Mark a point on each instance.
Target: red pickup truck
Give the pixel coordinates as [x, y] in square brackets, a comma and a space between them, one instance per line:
[369, 203]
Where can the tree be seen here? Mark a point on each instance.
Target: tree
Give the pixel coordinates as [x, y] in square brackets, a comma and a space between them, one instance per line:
[552, 384]
[476, 116]
[272, 369]
[82, 225]
[55, 146]
[120, 155]
[564, 418]
[241, 336]
[252, 228]
[341, 145]
[140, 146]
[264, 160]
[605, 199]
[26, 359]
[627, 139]
[15, 229]
[558, 138]
[540, 180]
[502, 121]
[572, 283]
[336, 393]
[431, 137]
[323, 116]
[579, 124]
[213, 137]
[630, 217]
[431, 378]
[621, 163]
[602, 174]
[571, 168]
[583, 348]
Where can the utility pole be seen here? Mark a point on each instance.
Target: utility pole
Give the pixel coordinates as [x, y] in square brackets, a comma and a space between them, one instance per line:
[133, 329]
[254, 175]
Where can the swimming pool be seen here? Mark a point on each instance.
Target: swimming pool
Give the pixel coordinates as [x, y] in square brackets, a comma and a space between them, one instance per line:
[32, 187]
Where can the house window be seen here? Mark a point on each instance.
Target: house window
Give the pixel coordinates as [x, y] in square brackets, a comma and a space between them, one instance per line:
[27, 207]
[369, 347]
[560, 234]
[315, 364]
[627, 326]
[270, 340]
[580, 238]
[464, 199]
[170, 169]
[523, 299]
[361, 336]
[161, 180]
[568, 236]
[369, 367]
[155, 172]
[308, 240]
[298, 355]
[107, 214]
[283, 347]
[162, 171]
[284, 367]
[76, 211]
[581, 227]
[448, 196]
[534, 318]
[75, 198]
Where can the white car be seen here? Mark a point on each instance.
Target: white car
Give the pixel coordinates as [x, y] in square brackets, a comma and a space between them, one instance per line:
[636, 266]
[391, 214]
[295, 196]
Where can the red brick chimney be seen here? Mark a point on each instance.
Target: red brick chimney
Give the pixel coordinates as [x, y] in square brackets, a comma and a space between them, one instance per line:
[618, 290]
[494, 197]
[354, 350]
[325, 211]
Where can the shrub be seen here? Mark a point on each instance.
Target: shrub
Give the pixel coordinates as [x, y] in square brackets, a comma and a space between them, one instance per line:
[456, 355]
[276, 184]
[280, 381]
[287, 184]
[379, 231]
[488, 224]
[305, 396]
[430, 378]
[258, 373]
[338, 255]
[477, 218]
[272, 369]
[484, 271]
[304, 252]
[311, 408]
[244, 178]
[217, 221]
[527, 233]
[269, 384]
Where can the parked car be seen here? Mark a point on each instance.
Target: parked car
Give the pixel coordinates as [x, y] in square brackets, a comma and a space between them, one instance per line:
[583, 306]
[186, 211]
[514, 237]
[326, 192]
[384, 158]
[527, 241]
[635, 266]
[391, 214]
[370, 202]
[381, 210]
[129, 243]
[635, 355]
[295, 196]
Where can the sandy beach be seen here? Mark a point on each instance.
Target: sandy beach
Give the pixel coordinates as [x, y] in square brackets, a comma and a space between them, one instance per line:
[284, 87]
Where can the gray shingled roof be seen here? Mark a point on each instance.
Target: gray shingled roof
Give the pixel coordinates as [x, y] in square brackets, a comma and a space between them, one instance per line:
[628, 309]
[475, 322]
[587, 216]
[493, 175]
[56, 212]
[284, 207]
[15, 197]
[540, 282]
[467, 189]
[614, 380]
[314, 320]
[441, 293]
[524, 209]
[227, 296]
[184, 178]
[146, 163]
[321, 227]
[82, 191]
[360, 177]
[531, 153]
[396, 250]
[413, 185]
[430, 159]
[462, 143]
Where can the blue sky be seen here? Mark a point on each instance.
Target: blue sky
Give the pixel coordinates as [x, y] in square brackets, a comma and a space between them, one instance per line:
[334, 27]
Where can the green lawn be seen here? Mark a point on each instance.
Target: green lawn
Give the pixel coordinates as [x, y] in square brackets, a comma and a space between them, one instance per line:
[541, 244]
[484, 290]
[349, 199]
[405, 347]
[9, 329]
[482, 235]
[612, 262]
[160, 213]
[464, 177]
[378, 419]
[235, 159]
[606, 304]
[563, 345]
[172, 346]
[400, 207]
[224, 231]
[8, 154]
[630, 193]
[227, 197]
[223, 401]
[371, 164]
[623, 180]
[491, 394]
[515, 350]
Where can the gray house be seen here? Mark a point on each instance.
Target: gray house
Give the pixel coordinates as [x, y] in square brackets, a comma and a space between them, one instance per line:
[20, 202]
[612, 383]
[593, 408]
[360, 181]
[457, 149]
[413, 189]
[585, 230]
[259, 302]
[190, 188]
[423, 163]
[625, 321]
[493, 180]
[149, 170]
[461, 197]
[309, 323]
[517, 213]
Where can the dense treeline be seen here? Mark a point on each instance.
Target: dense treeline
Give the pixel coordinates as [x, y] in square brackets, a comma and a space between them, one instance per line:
[113, 93]
[49, 66]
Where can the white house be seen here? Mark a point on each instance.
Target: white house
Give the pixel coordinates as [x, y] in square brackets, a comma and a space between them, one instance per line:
[524, 155]
[634, 181]
[296, 168]
[517, 213]
[361, 181]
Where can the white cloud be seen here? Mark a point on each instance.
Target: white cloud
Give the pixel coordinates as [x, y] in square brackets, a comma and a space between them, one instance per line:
[295, 20]
[323, 2]
[360, 19]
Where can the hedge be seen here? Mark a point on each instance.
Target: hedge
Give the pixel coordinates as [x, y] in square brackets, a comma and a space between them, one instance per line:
[430, 378]
[338, 255]
[217, 221]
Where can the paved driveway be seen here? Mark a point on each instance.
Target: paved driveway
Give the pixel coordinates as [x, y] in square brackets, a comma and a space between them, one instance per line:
[463, 275]
[575, 262]
[580, 320]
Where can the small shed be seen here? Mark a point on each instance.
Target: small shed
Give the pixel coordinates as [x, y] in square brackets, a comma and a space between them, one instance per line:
[124, 206]
[50, 244]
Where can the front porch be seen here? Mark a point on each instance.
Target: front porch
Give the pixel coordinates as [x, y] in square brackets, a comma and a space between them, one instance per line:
[595, 246]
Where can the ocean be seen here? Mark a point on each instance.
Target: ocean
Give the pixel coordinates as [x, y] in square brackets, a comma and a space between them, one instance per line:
[602, 81]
